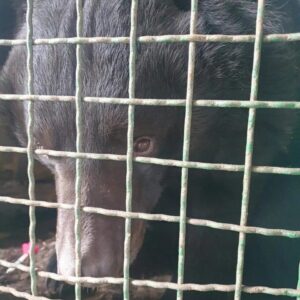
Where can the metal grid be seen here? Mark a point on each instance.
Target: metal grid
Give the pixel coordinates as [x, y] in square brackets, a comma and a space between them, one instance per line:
[184, 164]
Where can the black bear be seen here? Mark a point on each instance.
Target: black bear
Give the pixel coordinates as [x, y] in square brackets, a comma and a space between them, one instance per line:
[222, 72]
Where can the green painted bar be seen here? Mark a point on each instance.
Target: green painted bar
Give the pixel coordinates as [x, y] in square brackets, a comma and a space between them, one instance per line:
[158, 217]
[249, 149]
[30, 150]
[154, 284]
[160, 161]
[200, 38]
[129, 154]
[186, 147]
[298, 286]
[160, 102]
[78, 102]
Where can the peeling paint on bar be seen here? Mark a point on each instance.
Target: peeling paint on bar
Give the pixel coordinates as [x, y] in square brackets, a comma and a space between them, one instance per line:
[211, 38]
[159, 161]
[160, 102]
[78, 179]
[129, 154]
[159, 217]
[30, 149]
[249, 149]
[186, 148]
[154, 284]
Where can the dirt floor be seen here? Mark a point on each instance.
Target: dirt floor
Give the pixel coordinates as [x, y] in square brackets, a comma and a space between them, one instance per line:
[14, 222]
[20, 280]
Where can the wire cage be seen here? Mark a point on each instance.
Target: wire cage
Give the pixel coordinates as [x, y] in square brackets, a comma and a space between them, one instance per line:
[185, 164]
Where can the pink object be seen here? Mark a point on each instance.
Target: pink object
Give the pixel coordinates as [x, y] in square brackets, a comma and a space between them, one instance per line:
[26, 248]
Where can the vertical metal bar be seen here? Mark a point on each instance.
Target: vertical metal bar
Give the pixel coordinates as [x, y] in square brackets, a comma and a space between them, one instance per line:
[129, 159]
[249, 148]
[186, 147]
[298, 286]
[30, 143]
[78, 95]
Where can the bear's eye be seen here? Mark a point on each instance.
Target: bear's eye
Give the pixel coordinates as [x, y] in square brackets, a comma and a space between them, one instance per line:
[143, 146]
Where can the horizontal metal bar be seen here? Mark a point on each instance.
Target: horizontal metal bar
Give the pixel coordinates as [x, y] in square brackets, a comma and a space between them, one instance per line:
[185, 38]
[159, 102]
[156, 284]
[158, 217]
[71, 40]
[199, 103]
[158, 161]
[23, 295]
[217, 38]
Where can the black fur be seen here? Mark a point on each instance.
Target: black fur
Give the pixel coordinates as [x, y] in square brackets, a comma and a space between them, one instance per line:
[223, 71]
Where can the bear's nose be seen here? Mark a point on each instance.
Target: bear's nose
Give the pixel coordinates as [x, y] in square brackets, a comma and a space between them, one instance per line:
[102, 265]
